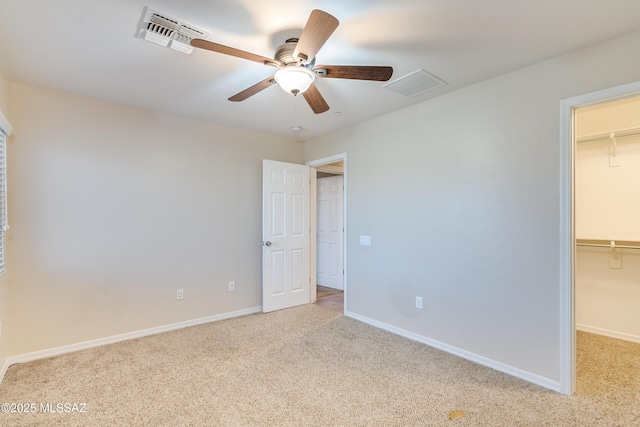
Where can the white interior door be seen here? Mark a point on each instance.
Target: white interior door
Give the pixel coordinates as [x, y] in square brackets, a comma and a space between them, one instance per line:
[330, 269]
[285, 235]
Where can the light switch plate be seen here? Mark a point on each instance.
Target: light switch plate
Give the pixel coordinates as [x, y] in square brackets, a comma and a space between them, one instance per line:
[365, 240]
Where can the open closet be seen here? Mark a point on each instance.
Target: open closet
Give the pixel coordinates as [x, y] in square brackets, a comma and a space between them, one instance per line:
[607, 219]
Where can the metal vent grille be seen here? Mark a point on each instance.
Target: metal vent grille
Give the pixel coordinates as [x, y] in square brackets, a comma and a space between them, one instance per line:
[416, 83]
[160, 29]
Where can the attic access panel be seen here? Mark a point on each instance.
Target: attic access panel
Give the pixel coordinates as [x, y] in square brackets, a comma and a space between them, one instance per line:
[416, 83]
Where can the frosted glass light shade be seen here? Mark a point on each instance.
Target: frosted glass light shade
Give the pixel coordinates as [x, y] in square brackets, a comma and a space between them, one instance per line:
[294, 79]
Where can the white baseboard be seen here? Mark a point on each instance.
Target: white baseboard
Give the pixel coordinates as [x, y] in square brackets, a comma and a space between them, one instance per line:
[608, 333]
[43, 354]
[481, 360]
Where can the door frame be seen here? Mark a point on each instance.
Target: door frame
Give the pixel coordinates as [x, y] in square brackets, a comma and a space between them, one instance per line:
[314, 233]
[567, 252]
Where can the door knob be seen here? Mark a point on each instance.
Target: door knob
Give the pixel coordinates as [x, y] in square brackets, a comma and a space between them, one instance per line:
[267, 243]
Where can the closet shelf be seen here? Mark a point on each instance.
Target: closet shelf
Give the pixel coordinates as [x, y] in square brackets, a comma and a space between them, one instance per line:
[614, 244]
[607, 135]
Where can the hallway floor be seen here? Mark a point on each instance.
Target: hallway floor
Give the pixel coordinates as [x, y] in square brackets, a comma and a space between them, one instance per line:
[333, 302]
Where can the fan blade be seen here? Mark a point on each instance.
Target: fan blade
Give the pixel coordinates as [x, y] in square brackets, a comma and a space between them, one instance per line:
[220, 48]
[250, 91]
[356, 72]
[318, 29]
[315, 99]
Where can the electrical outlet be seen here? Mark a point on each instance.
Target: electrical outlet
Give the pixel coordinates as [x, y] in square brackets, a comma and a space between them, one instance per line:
[419, 302]
[232, 286]
[180, 294]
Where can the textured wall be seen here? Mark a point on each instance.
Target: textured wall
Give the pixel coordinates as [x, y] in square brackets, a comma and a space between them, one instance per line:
[114, 208]
[461, 197]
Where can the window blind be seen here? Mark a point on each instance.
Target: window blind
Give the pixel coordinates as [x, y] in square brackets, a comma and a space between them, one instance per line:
[4, 224]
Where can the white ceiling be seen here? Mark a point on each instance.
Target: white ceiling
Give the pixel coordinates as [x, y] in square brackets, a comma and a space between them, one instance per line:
[89, 47]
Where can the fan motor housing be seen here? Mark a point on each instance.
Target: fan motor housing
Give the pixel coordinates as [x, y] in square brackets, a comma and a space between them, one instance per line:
[284, 53]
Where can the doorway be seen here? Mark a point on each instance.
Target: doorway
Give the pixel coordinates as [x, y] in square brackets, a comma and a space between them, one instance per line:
[569, 107]
[329, 240]
[607, 255]
[606, 219]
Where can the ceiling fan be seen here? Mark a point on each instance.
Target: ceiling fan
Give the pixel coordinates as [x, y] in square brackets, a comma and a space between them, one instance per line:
[295, 60]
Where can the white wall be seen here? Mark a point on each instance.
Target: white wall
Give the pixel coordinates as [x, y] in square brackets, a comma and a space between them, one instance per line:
[608, 208]
[466, 213]
[113, 208]
[4, 278]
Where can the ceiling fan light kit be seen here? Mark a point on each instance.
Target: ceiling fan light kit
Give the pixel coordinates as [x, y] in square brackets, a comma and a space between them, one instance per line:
[294, 79]
[295, 60]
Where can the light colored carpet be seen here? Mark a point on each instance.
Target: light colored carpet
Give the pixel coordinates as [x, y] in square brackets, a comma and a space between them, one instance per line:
[306, 366]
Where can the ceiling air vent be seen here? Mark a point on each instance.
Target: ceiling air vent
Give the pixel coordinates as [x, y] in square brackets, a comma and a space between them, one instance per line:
[416, 83]
[160, 29]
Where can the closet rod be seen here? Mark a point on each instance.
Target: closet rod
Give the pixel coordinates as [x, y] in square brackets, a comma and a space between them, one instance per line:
[607, 135]
[617, 244]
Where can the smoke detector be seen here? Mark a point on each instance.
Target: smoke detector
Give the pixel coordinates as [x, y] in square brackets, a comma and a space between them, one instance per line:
[163, 30]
